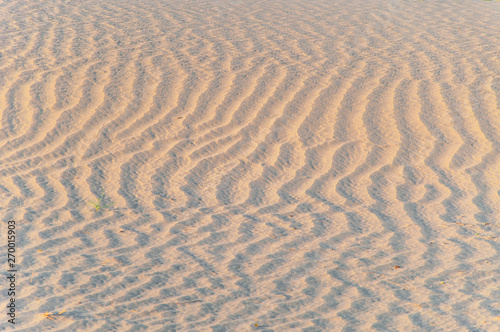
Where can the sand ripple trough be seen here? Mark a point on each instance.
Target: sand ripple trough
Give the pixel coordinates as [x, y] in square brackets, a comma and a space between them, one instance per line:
[274, 165]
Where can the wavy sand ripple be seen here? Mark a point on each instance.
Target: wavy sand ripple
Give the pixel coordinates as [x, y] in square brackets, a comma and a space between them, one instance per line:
[274, 165]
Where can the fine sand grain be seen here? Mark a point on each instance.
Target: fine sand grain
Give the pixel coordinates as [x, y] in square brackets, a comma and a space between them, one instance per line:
[312, 165]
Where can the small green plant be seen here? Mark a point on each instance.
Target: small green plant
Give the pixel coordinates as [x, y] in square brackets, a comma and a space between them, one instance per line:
[97, 205]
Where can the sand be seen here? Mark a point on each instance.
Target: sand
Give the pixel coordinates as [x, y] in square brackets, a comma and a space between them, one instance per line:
[268, 165]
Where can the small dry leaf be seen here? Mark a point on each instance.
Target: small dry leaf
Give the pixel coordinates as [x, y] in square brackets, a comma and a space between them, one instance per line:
[47, 315]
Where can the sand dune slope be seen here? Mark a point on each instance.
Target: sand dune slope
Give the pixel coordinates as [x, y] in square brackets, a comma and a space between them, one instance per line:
[271, 165]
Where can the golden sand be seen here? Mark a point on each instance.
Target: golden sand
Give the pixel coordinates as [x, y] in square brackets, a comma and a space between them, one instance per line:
[269, 165]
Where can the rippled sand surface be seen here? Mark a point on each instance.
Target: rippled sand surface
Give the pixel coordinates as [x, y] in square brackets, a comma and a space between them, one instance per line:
[268, 165]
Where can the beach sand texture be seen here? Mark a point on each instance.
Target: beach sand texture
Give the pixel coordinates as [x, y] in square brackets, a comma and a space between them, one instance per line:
[269, 165]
